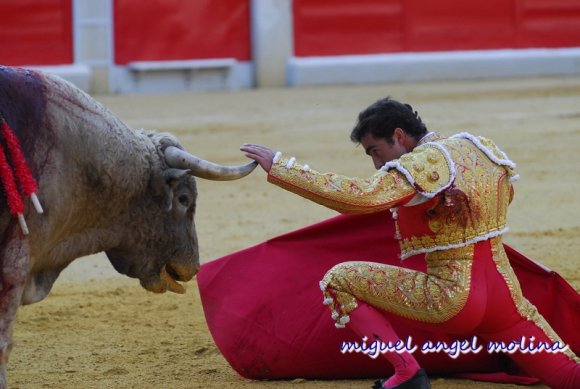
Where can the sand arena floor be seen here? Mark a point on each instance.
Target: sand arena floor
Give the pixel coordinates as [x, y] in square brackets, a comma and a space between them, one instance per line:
[98, 329]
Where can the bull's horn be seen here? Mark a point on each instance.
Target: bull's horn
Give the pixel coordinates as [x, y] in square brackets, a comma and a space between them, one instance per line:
[180, 159]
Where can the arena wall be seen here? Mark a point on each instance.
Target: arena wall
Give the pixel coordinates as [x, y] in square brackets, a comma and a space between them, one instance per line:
[170, 45]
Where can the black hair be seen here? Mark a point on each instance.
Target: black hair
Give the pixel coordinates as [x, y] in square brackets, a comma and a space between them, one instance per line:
[385, 115]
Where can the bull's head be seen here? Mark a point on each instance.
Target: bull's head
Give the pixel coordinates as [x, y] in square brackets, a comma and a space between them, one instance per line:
[166, 253]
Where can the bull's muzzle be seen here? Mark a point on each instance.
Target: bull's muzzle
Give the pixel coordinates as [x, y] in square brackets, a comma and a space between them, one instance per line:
[173, 273]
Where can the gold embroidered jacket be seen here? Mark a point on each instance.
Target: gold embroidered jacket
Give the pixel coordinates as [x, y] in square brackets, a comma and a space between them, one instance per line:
[446, 193]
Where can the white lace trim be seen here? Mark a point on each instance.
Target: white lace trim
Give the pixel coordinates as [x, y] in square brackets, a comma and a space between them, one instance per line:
[342, 321]
[515, 177]
[477, 239]
[504, 161]
[397, 165]
[290, 162]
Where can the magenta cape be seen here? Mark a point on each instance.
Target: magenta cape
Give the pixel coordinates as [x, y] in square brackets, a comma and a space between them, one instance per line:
[264, 307]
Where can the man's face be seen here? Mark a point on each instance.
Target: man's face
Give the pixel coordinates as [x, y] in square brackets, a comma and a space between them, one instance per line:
[382, 151]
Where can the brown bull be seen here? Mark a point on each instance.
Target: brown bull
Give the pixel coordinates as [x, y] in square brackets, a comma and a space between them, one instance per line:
[103, 187]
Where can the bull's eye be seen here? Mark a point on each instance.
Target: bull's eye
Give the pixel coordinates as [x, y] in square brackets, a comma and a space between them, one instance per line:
[183, 200]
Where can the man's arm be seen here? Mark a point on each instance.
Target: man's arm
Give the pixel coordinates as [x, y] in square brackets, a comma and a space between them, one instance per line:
[381, 191]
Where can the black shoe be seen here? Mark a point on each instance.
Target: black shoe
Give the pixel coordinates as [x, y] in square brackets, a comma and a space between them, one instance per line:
[418, 381]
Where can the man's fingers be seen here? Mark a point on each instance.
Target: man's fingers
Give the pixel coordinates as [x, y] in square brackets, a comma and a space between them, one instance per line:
[254, 147]
[261, 154]
[250, 149]
[257, 150]
[256, 157]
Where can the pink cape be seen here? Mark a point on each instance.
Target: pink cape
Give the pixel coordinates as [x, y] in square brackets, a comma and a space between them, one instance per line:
[263, 306]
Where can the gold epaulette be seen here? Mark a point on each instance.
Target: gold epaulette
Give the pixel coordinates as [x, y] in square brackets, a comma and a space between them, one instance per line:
[428, 168]
[492, 151]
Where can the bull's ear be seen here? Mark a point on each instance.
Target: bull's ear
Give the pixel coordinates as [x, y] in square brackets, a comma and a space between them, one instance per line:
[164, 184]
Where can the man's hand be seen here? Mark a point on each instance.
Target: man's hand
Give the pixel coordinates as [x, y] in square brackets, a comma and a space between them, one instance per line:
[260, 154]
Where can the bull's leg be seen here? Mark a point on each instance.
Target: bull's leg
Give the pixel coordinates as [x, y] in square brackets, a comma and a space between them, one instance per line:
[14, 265]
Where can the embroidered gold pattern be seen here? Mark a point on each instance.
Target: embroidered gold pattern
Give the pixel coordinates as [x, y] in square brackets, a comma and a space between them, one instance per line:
[525, 308]
[432, 298]
[428, 167]
[492, 151]
[430, 137]
[381, 191]
[473, 209]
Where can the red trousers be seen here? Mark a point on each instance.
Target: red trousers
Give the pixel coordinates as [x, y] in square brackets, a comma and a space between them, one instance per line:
[495, 309]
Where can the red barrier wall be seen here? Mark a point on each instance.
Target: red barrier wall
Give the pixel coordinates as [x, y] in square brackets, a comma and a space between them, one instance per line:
[385, 26]
[39, 32]
[156, 30]
[36, 32]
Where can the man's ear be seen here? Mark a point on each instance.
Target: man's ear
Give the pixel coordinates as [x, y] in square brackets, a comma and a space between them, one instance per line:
[164, 184]
[404, 139]
[399, 135]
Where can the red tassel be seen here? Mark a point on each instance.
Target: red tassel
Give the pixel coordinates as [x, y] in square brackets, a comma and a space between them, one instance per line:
[22, 173]
[25, 180]
[13, 198]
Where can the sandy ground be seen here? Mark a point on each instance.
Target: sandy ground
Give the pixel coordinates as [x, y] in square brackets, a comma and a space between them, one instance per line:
[98, 329]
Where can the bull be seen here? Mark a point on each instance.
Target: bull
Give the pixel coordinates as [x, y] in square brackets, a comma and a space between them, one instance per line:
[103, 187]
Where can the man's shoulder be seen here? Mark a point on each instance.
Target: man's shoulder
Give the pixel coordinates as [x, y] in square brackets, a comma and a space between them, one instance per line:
[456, 146]
[428, 167]
[486, 145]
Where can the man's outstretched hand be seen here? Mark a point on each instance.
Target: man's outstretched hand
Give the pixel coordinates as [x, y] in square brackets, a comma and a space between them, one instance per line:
[260, 154]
